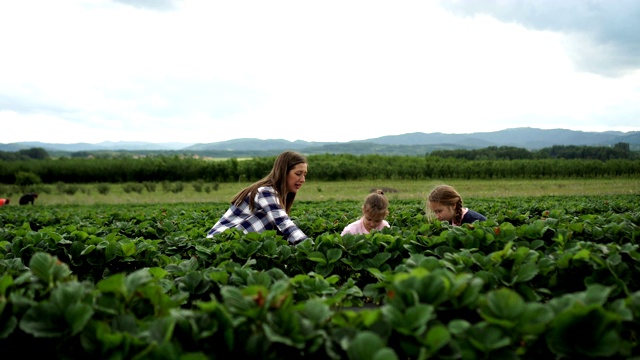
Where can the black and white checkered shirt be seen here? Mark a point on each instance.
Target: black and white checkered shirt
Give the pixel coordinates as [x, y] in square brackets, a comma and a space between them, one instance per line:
[267, 214]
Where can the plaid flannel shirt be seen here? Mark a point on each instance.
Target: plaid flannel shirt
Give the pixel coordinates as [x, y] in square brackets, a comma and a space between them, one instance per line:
[267, 214]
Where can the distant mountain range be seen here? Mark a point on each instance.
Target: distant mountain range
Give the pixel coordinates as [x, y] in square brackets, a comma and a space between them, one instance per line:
[406, 144]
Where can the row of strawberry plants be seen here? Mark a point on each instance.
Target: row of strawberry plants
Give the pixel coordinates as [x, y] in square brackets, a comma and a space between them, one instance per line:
[545, 256]
[427, 312]
[560, 249]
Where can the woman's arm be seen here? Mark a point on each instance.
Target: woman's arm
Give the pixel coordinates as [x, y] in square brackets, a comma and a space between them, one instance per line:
[267, 200]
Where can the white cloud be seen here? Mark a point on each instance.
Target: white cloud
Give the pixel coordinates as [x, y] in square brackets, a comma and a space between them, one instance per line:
[202, 71]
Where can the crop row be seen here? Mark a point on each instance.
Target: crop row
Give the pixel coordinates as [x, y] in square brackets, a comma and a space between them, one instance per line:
[542, 278]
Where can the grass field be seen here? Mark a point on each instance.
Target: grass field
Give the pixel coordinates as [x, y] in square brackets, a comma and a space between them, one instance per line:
[352, 190]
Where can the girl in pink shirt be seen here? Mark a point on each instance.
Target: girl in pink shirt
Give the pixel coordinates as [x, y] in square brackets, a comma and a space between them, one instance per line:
[374, 212]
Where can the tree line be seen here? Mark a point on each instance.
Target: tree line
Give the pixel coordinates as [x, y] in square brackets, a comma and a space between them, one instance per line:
[620, 150]
[325, 167]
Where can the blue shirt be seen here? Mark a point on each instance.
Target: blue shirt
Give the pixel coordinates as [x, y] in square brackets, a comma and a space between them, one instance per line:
[267, 214]
[472, 216]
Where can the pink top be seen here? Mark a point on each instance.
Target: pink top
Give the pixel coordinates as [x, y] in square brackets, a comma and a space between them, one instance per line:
[357, 227]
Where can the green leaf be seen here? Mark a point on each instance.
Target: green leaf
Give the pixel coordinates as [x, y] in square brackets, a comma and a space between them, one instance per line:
[79, 235]
[158, 272]
[585, 331]
[380, 259]
[526, 272]
[458, 327]
[127, 247]
[535, 318]
[111, 251]
[596, 294]
[48, 268]
[324, 269]
[471, 293]
[273, 336]
[487, 337]
[504, 304]
[385, 354]
[77, 316]
[195, 283]
[161, 330]
[5, 281]
[136, 280]
[234, 300]
[364, 346]
[437, 337]
[318, 257]
[434, 288]
[583, 254]
[42, 321]
[8, 326]
[219, 276]
[41, 265]
[317, 311]
[62, 313]
[334, 255]
[194, 356]
[418, 315]
[114, 284]
[88, 250]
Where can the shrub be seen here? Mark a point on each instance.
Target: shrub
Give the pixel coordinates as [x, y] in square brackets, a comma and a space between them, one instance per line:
[135, 187]
[60, 186]
[215, 186]
[149, 186]
[177, 187]
[103, 189]
[25, 179]
[198, 185]
[71, 189]
[166, 186]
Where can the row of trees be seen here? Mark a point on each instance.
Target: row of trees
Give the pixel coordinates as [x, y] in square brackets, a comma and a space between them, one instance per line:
[24, 154]
[620, 150]
[604, 153]
[321, 167]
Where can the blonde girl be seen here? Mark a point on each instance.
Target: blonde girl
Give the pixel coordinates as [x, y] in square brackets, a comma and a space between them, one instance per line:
[374, 212]
[445, 204]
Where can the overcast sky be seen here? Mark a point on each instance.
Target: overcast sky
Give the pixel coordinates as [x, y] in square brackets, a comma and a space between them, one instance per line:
[201, 71]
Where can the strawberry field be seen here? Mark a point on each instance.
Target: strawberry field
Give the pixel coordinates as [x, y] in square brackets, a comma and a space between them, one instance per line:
[542, 278]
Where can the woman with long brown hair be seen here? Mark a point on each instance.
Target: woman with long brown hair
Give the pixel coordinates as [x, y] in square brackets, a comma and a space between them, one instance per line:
[265, 204]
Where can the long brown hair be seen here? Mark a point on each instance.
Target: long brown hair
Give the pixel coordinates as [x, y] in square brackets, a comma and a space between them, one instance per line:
[448, 196]
[277, 179]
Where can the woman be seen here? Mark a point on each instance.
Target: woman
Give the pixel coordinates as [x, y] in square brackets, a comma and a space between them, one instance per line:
[446, 204]
[265, 204]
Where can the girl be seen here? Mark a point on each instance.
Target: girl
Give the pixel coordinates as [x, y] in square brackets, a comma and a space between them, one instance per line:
[374, 212]
[446, 204]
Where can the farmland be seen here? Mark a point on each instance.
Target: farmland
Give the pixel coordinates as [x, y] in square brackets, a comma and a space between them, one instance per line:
[552, 273]
[313, 190]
